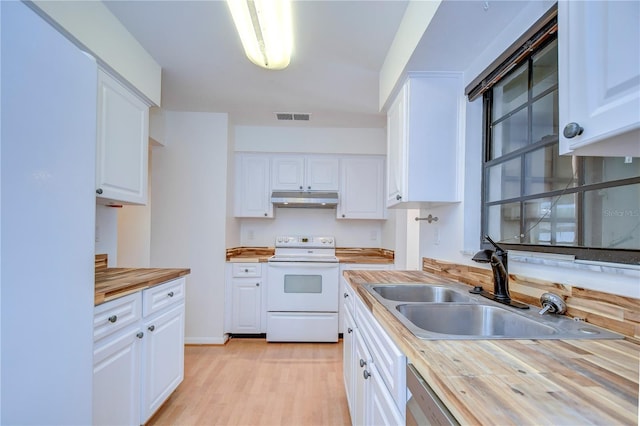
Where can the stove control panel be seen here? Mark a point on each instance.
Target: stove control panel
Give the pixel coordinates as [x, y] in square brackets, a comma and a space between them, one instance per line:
[303, 241]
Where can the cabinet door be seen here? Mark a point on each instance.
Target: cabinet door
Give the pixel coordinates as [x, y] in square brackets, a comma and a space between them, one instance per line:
[287, 173]
[348, 365]
[163, 359]
[396, 147]
[361, 188]
[253, 191]
[361, 386]
[599, 76]
[116, 379]
[122, 145]
[383, 409]
[322, 174]
[246, 305]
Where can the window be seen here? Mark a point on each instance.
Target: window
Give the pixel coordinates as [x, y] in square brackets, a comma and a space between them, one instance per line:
[533, 198]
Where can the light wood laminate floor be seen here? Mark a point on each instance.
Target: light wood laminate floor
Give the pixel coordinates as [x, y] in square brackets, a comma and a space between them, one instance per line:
[252, 382]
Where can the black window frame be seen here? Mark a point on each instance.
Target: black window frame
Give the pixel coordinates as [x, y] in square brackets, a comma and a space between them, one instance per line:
[541, 39]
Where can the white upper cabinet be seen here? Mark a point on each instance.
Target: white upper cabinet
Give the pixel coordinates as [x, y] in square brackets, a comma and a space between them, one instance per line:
[599, 77]
[361, 188]
[305, 173]
[424, 132]
[122, 144]
[253, 191]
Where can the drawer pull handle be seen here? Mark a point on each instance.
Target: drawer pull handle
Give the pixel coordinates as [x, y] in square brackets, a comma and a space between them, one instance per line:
[140, 334]
[349, 330]
[346, 295]
[366, 374]
[362, 363]
[151, 327]
[113, 318]
[170, 294]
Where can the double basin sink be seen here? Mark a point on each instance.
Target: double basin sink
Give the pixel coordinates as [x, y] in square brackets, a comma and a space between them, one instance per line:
[450, 312]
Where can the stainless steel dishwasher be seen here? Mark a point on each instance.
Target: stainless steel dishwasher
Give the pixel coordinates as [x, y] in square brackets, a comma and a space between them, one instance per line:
[424, 407]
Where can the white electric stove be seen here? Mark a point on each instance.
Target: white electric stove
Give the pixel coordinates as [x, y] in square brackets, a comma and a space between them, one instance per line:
[302, 290]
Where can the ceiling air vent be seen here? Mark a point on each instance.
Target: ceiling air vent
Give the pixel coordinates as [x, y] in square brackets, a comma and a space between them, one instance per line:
[290, 116]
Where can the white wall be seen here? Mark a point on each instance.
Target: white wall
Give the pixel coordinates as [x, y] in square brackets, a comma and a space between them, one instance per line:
[233, 224]
[188, 215]
[348, 233]
[311, 140]
[98, 31]
[106, 233]
[456, 235]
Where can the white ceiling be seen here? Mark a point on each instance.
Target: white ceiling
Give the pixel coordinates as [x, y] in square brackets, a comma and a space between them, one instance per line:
[339, 49]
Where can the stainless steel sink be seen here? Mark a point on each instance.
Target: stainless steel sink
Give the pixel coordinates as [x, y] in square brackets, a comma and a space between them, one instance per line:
[440, 311]
[473, 320]
[419, 293]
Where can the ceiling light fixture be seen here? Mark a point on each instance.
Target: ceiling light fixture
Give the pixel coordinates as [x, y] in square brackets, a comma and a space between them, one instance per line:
[265, 30]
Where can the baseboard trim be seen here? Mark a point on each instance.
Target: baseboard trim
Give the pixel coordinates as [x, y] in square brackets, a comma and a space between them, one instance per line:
[206, 340]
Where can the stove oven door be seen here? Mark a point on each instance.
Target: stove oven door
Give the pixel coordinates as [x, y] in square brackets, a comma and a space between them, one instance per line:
[302, 287]
[302, 302]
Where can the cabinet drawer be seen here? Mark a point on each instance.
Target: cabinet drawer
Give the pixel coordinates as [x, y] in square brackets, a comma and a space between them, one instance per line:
[247, 270]
[387, 357]
[157, 298]
[116, 314]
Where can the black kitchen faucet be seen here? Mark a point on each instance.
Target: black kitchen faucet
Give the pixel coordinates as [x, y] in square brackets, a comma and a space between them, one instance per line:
[498, 260]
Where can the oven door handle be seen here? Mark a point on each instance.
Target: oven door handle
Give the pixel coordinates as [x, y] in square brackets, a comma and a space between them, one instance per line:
[305, 265]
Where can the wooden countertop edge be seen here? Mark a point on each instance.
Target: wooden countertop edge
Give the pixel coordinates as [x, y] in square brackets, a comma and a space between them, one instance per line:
[359, 259]
[344, 255]
[132, 281]
[418, 354]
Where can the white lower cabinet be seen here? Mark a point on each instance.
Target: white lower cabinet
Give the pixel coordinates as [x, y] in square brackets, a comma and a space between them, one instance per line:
[245, 296]
[374, 369]
[116, 379]
[163, 359]
[138, 360]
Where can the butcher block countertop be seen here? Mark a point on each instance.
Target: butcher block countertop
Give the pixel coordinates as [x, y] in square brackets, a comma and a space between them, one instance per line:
[500, 382]
[111, 283]
[344, 255]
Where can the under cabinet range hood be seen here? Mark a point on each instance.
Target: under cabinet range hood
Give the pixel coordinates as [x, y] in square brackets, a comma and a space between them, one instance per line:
[305, 199]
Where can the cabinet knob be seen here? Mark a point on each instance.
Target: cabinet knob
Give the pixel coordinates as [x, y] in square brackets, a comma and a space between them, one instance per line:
[113, 318]
[346, 295]
[362, 363]
[344, 215]
[170, 294]
[246, 270]
[398, 197]
[140, 334]
[301, 186]
[266, 215]
[349, 330]
[257, 284]
[366, 374]
[99, 191]
[151, 327]
[572, 130]
[308, 187]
